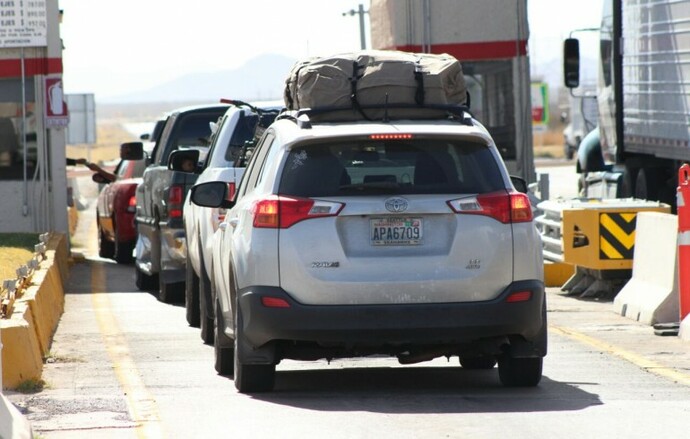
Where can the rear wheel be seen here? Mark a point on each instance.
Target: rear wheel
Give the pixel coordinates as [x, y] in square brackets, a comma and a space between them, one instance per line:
[223, 346]
[106, 249]
[250, 378]
[520, 372]
[191, 294]
[123, 251]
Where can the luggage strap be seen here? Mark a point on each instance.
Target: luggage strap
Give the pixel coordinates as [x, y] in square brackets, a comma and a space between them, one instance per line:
[419, 77]
[353, 89]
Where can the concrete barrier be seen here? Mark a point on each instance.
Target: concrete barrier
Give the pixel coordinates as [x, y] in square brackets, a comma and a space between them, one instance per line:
[21, 350]
[651, 295]
[684, 332]
[12, 424]
[26, 336]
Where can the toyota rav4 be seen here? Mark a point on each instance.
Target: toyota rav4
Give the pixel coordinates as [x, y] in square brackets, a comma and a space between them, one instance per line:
[405, 238]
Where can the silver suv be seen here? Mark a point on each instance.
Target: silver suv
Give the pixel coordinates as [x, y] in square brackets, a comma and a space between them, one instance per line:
[405, 238]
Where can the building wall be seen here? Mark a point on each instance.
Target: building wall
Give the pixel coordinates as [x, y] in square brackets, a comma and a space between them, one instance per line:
[34, 198]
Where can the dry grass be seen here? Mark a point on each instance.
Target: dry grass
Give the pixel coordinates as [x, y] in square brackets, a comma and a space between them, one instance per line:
[16, 249]
[548, 144]
[11, 259]
[109, 136]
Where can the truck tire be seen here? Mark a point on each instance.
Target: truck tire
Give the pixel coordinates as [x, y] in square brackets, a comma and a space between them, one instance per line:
[170, 292]
[626, 188]
[648, 184]
[143, 281]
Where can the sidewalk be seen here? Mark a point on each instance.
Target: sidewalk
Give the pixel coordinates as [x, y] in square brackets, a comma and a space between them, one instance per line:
[595, 324]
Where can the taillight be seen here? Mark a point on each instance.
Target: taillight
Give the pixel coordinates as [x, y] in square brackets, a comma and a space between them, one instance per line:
[274, 302]
[175, 200]
[132, 204]
[506, 207]
[282, 212]
[519, 296]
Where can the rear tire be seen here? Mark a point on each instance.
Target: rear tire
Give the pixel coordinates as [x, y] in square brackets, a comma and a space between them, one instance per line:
[250, 378]
[106, 249]
[191, 294]
[520, 372]
[223, 346]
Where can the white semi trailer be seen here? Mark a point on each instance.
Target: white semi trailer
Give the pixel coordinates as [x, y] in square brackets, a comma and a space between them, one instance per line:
[489, 37]
[643, 95]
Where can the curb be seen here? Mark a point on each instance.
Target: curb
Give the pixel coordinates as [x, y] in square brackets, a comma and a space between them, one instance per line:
[27, 334]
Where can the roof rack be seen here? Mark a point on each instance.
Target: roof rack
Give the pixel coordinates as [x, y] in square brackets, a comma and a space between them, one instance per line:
[238, 103]
[302, 117]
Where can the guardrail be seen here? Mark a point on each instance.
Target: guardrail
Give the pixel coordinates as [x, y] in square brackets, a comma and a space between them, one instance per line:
[12, 289]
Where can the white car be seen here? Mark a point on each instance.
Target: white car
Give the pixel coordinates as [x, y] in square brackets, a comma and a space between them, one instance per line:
[404, 238]
[225, 161]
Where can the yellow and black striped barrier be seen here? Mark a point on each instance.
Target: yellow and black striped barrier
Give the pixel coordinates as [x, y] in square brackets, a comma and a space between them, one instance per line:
[597, 234]
[596, 237]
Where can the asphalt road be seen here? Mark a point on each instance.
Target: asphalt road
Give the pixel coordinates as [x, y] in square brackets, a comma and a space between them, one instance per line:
[124, 365]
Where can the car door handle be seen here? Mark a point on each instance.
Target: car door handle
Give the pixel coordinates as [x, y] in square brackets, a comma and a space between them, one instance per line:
[233, 222]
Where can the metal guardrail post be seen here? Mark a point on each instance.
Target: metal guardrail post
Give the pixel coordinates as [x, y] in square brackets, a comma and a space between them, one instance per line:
[544, 186]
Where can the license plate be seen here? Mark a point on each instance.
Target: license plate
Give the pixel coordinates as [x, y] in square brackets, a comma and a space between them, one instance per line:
[395, 231]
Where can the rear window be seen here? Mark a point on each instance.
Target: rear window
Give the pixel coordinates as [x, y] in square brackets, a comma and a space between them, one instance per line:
[419, 166]
[194, 131]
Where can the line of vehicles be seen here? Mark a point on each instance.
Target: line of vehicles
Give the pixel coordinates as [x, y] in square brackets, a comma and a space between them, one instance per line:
[291, 234]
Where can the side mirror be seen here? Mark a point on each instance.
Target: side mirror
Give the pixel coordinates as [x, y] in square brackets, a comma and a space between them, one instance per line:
[519, 183]
[213, 194]
[184, 160]
[571, 62]
[98, 178]
[132, 151]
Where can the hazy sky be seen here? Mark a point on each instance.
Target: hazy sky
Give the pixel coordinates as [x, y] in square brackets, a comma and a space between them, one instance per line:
[114, 48]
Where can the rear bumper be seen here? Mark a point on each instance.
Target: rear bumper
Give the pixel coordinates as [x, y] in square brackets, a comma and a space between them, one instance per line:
[393, 325]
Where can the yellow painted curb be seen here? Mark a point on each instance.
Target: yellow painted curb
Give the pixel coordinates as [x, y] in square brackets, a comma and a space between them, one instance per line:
[556, 274]
[28, 334]
[21, 353]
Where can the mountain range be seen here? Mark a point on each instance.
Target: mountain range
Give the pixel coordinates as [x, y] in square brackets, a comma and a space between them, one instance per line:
[261, 78]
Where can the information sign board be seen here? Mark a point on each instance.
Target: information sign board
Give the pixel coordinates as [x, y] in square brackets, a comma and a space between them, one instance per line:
[23, 23]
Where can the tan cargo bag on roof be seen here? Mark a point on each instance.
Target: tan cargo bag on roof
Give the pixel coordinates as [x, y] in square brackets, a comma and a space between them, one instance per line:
[354, 81]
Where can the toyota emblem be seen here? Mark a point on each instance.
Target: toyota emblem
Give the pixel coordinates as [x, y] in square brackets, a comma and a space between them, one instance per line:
[396, 204]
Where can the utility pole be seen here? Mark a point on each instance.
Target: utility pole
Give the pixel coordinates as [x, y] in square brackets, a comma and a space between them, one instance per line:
[361, 13]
